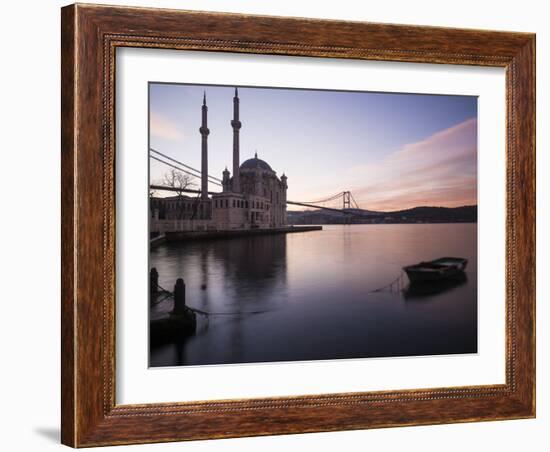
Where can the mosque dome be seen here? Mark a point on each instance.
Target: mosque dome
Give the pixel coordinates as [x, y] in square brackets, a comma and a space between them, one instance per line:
[256, 163]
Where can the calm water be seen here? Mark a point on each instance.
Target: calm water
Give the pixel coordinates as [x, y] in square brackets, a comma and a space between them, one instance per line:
[308, 296]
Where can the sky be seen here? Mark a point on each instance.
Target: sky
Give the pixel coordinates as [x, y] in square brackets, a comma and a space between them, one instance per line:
[392, 151]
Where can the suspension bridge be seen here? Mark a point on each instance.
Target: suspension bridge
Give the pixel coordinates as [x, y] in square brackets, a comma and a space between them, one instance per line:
[332, 203]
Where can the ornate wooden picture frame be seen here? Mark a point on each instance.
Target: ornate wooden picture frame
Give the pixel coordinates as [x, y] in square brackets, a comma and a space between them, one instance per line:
[90, 37]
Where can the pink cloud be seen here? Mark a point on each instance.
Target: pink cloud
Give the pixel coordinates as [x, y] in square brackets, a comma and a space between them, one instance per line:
[438, 171]
[164, 128]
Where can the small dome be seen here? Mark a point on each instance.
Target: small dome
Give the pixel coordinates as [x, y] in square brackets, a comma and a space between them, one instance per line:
[256, 163]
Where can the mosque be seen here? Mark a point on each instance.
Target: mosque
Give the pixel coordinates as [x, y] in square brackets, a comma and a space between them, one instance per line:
[252, 197]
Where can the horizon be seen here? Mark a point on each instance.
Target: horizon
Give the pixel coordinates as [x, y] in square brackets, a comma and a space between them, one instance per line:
[297, 209]
[395, 211]
[393, 151]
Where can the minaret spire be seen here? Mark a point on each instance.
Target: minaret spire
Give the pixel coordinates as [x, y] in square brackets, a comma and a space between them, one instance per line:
[236, 124]
[204, 149]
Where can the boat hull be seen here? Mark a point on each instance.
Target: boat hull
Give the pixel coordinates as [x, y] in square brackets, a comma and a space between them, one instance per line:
[446, 268]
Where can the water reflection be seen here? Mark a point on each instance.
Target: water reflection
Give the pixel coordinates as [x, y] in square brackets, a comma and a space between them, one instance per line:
[312, 293]
[423, 290]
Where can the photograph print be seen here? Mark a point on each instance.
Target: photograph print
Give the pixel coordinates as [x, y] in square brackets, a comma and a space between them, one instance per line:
[291, 225]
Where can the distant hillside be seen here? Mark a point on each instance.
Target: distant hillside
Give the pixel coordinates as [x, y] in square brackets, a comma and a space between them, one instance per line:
[440, 214]
[422, 214]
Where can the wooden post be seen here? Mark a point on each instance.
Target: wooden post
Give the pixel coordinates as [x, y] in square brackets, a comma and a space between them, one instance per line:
[153, 281]
[179, 297]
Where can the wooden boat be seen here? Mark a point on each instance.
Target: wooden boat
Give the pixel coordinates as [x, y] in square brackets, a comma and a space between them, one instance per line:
[444, 268]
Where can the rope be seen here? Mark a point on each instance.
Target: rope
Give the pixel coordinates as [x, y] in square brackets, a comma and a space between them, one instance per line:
[201, 312]
[389, 287]
[161, 300]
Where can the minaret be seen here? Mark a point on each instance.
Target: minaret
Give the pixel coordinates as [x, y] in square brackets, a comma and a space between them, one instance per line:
[204, 149]
[236, 124]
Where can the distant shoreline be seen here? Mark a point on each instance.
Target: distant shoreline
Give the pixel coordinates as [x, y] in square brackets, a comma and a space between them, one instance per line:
[416, 215]
[382, 223]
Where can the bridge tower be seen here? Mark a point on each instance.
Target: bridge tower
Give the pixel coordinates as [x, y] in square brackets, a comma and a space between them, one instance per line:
[204, 149]
[346, 197]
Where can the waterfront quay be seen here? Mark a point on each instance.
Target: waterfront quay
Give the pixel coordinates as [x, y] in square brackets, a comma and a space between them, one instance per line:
[176, 236]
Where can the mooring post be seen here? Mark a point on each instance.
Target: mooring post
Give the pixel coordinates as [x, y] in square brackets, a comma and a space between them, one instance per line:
[153, 281]
[179, 297]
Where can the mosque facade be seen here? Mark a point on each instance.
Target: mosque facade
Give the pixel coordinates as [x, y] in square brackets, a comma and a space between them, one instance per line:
[252, 196]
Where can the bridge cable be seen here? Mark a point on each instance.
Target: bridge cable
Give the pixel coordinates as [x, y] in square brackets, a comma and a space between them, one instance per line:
[331, 198]
[354, 201]
[182, 164]
[182, 170]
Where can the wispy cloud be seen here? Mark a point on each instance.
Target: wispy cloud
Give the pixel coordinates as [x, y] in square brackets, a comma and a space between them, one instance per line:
[164, 128]
[438, 171]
